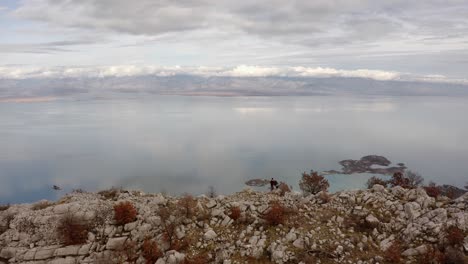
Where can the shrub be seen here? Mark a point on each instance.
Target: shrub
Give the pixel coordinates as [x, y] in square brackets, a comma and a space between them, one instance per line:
[393, 253]
[284, 188]
[414, 179]
[124, 213]
[130, 251]
[453, 256]
[276, 215]
[168, 227]
[235, 213]
[72, 230]
[313, 183]
[454, 236]
[375, 180]
[180, 244]
[150, 251]
[399, 180]
[187, 205]
[432, 256]
[432, 190]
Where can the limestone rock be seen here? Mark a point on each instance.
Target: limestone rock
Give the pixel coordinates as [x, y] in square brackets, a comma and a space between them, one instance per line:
[116, 243]
[210, 234]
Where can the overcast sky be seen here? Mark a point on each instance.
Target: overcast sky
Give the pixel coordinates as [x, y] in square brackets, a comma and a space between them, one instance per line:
[423, 38]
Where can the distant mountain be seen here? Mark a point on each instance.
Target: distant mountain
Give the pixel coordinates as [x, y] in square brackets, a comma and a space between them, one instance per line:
[223, 86]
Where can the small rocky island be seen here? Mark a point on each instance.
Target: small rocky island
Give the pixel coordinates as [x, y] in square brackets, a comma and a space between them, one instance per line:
[367, 165]
[378, 225]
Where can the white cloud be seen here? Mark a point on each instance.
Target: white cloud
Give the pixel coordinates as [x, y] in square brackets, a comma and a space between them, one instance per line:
[24, 72]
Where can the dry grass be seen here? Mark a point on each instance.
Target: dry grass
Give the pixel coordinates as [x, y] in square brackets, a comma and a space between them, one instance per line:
[72, 230]
[124, 213]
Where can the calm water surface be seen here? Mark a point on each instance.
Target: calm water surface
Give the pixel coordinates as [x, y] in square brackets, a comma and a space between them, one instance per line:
[185, 144]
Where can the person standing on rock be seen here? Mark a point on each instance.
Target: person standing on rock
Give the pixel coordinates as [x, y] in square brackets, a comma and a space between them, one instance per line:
[273, 184]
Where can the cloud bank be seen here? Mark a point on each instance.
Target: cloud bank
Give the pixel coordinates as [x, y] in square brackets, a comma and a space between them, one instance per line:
[22, 72]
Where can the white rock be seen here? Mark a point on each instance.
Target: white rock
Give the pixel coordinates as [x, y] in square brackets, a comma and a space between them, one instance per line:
[372, 219]
[44, 253]
[412, 210]
[210, 234]
[67, 251]
[299, 243]
[339, 249]
[7, 253]
[291, 236]
[378, 188]
[116, 243]
[160, 261]
[211, 204]
[410, 252]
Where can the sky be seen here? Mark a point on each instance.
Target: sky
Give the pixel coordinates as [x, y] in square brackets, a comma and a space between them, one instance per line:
[428, 39]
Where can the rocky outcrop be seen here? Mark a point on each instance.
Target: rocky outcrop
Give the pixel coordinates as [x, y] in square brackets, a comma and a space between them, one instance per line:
[353, 227]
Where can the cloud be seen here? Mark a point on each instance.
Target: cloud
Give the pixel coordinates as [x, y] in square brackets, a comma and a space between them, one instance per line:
[307, 22]
[134, 17]
[25, 72]
[46, 47]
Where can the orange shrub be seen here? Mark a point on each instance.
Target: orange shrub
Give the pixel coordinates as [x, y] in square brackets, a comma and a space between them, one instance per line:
[235, 213]
[150, 251]
[276, 215]
[124, 212]
[72, 230]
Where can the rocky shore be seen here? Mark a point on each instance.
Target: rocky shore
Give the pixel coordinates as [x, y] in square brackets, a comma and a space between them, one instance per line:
[379, 225]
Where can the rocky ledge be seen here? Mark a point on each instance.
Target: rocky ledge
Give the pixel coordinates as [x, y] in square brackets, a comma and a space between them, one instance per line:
[367, 226]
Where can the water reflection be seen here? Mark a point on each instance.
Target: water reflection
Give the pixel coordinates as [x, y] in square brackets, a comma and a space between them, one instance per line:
[185, 144]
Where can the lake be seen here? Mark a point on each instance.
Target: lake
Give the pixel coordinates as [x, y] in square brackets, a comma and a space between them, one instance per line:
[182, 144]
